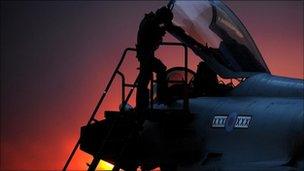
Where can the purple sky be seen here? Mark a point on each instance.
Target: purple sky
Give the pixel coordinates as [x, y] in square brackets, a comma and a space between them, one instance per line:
[56, 58]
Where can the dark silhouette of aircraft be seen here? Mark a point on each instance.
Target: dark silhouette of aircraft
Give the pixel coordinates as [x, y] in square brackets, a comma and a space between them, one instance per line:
[211, 124]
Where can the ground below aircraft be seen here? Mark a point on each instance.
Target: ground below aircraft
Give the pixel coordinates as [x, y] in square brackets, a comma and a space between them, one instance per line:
[257, 124]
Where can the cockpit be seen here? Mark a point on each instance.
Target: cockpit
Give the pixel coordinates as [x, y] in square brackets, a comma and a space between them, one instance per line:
[212, 24]
[202, 82]
[229, 52]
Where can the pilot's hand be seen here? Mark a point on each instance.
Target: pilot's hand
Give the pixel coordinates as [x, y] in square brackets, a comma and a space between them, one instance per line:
[173, 28]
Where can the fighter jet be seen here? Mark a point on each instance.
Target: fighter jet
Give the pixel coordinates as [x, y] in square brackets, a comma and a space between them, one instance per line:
[254, 122]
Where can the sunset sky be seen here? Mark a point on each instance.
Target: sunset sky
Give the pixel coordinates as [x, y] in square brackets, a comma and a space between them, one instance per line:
[57, 57]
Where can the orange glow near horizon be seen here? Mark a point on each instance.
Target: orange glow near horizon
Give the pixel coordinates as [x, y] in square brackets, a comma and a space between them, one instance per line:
[57, 59]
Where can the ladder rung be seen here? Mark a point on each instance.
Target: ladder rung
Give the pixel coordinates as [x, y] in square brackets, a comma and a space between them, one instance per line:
[172, 81]
[130, 85]
[176, 81]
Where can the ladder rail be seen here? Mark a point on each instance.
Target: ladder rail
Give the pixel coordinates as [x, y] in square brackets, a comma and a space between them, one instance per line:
[97, 157]
[124, 102]
[104, 93]
[109, 84]
[125, 99]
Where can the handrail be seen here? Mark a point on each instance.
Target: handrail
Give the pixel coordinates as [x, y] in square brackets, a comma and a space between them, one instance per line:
[110, 83]
[186, 99]
[134, 85]
[104, 93]
[123, 82]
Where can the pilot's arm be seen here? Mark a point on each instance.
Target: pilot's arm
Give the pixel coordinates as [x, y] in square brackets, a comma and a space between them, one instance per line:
[166, 15]
[180, 34]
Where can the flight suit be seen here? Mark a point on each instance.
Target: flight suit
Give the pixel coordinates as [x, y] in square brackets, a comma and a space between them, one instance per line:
[149, 37]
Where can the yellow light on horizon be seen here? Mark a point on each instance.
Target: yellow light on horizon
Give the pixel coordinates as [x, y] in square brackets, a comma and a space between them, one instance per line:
[103, 165]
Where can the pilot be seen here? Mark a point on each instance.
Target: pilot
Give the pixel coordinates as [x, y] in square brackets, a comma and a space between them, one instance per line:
[149, 37]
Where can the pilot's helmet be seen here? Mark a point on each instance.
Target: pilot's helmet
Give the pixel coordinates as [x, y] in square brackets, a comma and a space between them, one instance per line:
[164, 14]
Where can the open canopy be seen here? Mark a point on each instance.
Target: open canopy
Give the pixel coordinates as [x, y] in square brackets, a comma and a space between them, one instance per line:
[214, 24]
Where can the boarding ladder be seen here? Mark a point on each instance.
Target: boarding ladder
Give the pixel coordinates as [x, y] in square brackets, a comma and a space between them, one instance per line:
[125, 99]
